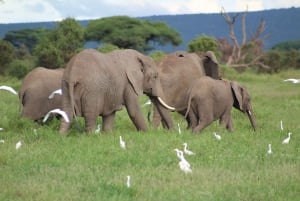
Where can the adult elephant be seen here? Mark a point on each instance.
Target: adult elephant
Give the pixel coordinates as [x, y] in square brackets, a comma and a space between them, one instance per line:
[211, 99]
[105, 82]
[177, 71]
[35, 89]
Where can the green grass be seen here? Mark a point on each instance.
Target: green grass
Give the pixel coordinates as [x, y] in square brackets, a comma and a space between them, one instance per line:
[80, 167]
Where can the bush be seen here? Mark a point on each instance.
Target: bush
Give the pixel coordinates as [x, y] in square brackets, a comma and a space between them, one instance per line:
[19, 68]
[204, 43]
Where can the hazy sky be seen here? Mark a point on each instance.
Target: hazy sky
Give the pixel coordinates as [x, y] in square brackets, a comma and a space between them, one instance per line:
[51, 10]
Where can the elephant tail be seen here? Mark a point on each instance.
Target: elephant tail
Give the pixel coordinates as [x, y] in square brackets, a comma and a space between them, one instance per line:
[188, 106]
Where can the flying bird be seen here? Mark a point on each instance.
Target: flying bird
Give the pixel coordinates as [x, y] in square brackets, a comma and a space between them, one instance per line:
[58, 92]
[18, 145]
[128, 181]
[293, 80]
[57, 111]
[218, 137]
[10, 89]
[287, 140]
[122, 143]
[269, 151]
[186, 151]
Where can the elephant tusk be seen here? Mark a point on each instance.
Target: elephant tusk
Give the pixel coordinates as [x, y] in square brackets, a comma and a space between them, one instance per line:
[165, 105]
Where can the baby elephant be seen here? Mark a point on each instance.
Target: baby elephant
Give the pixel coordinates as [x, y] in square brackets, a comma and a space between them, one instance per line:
[209, 100]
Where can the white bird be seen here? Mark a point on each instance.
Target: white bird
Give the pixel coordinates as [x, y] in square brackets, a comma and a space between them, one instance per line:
[287, 140]
[179, 129]
[1, 129]
[269, 151]
[186, 151]
[18, 145]
[218, 137]
[181, 158]
[293, 80]
[122, 143]
[2, 141]
[10, 89]
[184, 167]
[147, 103]
[128, 181]
[281, 125]
[98, 129]
[58, 92]
[57, 111]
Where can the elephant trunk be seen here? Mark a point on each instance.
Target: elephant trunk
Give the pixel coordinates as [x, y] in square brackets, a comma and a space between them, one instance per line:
[252, 119]
[165, 104]
[163, 112]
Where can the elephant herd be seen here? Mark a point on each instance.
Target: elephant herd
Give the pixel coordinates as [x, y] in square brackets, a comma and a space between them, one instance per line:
[100, 84]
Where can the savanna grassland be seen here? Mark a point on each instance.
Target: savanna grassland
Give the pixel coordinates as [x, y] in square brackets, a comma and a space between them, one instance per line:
[80, 167]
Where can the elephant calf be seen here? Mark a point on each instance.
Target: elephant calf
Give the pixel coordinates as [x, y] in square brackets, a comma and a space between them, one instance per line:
[209, 100]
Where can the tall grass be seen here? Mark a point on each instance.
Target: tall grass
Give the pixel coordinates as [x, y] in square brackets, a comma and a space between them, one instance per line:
[80, 167]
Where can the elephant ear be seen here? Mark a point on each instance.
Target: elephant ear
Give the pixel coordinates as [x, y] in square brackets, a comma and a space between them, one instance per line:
[238, 95]
[135, 76]
[211, 65]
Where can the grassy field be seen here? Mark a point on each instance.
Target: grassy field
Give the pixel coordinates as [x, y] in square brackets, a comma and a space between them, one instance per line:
[80, 167]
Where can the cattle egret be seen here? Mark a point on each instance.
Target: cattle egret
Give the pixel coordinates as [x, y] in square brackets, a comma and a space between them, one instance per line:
[287, 140]
[2, 141]
[218, 137]
[128, 181]
[18, 145]
[281, 125]
[10, 89]
[122, 143]
[181, 157]
[269, 151]
[1, 129]
[293, 80]
[184, 167]
[179, 129]
[147, 103]
[58, 92]
[186, 151]
[57, 111]
[98, 129]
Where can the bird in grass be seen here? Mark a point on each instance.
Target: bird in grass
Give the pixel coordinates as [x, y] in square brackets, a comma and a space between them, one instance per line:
[287, 140]
[281, 125]
[181, 158]
[2, 141]
[218, 137]
[58, 92]
[186, 169]
[269, 151]
[98, 129]
[128, 181]
[147, 103]
[57, 111]
[1, 129]
[186, 151]
[122, 143]
[293, 80]
[179, 129]
[18, 145]
[8, 88]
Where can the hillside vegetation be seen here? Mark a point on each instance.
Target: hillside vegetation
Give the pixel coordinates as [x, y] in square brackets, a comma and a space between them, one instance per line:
[80, 167]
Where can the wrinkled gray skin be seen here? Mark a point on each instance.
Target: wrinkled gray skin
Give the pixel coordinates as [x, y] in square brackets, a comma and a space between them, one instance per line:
[211, 99]
[177, 72]
[104, 83]
[35, 89]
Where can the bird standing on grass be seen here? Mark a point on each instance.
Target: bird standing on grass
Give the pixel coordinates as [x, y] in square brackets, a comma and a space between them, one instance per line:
[122, 143]
[186, 151]
[128, 181]
[269, 151]
[184, 165]
[281, 125]
[218, 137]
[179, 129]
[287, 140]
[98, 129]
[18, 145]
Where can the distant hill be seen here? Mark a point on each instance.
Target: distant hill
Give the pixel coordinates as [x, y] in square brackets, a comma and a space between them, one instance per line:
[281, 24]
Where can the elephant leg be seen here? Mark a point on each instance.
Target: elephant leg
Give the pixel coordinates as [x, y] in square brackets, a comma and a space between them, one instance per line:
[156, 118]
[108, 122]
[226, 121]
[205, 118]
[191, 119]
[133, 109]
[90, 123]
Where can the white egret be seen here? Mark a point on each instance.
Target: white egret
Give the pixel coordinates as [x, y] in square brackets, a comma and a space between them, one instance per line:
[58, 92]
[8, 88]
[183, 166]
[18, 145]
[218, 137]
[98, 129]
[128, 181]
[269, 151]
[281, 125]
[293, 80]
[179, 129]
[287, 140]
[122, 143]
[147, 103]
[181, 157]
[2, 141]
[1, 129]
[57, 111]
[186, 151]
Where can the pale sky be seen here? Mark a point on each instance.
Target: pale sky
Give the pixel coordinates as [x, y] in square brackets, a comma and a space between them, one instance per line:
[14, 11]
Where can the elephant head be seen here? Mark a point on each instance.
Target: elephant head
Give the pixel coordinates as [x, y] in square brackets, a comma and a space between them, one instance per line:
[211, 65]
[242, 101]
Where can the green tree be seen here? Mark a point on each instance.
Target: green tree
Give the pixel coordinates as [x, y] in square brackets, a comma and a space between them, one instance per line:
[7, 54]
[204, 43]
[126, 32]
[107, 47]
